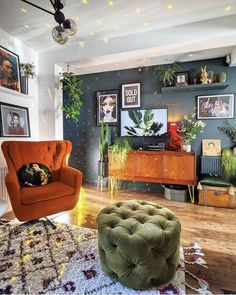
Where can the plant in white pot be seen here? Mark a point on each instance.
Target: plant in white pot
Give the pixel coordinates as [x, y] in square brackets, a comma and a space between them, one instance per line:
[189, 129]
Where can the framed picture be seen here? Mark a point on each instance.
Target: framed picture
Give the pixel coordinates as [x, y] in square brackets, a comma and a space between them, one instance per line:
[9, 70]
[14, 121]
[215, 106]
[131, 96]
[181, 78]
[107, 107]
[211, 147]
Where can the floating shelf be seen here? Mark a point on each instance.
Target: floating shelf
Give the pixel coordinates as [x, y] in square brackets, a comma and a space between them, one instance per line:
[194, 87]
[14, 93]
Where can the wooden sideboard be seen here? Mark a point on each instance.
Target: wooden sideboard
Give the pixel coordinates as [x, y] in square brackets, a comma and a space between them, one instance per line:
[167, 167]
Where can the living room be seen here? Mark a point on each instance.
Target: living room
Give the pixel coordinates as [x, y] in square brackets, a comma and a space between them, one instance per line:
[131, 63]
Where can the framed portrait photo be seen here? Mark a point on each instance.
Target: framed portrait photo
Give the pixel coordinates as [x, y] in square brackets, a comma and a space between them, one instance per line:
[211, 147]
[215, 106]
[181, 78]
[14, 121]
[131, 95]
[107, 107]
[9, 70]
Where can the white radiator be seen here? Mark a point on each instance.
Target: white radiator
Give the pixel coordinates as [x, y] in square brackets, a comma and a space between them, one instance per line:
[3, 189]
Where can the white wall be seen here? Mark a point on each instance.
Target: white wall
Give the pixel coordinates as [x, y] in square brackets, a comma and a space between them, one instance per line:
[30, 101]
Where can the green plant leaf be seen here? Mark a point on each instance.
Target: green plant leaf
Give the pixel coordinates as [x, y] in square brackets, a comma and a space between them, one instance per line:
[136, 117]
[148, 118]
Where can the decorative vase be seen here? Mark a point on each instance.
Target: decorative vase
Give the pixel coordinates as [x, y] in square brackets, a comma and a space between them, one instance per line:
[24, 84]
[187, 148]
[222, 77]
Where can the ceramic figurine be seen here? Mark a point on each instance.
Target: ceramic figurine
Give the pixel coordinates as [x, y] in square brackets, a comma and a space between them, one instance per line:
[222, 77]
[204, 76]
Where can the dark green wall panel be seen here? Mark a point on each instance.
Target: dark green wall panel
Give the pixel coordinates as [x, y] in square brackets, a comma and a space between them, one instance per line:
[85, 134]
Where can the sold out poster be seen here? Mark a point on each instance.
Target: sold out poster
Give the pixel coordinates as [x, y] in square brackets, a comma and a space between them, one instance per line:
[131, 95]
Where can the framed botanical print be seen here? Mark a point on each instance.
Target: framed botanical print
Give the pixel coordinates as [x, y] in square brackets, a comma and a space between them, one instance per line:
[14, 120]
[215, 106]
[211, 147]
[107, 107]
[9, 70]
[131, 95]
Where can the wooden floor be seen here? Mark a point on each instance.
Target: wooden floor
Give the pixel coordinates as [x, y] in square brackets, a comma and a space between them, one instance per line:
[213, 228]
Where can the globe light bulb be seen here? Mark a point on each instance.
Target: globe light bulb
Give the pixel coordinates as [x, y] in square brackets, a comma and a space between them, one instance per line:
[59, 35]
[70, 27]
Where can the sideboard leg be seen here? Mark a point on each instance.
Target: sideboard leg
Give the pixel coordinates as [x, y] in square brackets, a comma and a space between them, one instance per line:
[191, 193]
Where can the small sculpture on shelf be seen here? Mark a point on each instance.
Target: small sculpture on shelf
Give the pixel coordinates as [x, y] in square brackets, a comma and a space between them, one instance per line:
[204, 76]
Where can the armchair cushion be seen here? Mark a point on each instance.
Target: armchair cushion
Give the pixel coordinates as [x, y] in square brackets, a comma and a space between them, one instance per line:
[53, 190]
[34, 174]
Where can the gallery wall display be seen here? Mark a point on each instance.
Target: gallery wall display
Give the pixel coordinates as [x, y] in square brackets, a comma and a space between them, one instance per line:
[107, 107]
[9, 70]
[211, 147]
[131, 95]
[14, 121]
[215, 106]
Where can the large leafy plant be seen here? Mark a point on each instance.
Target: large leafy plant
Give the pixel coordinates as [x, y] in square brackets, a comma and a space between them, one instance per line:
[230, 130]
[72, 86]
[166, 73]
[144, 125]
[229, 163]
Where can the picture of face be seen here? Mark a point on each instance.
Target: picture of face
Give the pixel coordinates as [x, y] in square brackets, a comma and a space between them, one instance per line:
[107, 108]
[9, 70]
[14, 121]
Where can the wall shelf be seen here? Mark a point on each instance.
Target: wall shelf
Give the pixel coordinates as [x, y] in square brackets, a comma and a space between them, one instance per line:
[14, 93]
[195, 87]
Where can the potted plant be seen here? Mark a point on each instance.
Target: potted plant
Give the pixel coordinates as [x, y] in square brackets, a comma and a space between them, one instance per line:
[103, 151]
[189, 129]
[27, 71]
[228, 160]
[166, 73]
[118, 155]
[72, 86]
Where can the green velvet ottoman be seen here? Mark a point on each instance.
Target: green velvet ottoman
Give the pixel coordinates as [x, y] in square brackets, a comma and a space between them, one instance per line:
[138, 243]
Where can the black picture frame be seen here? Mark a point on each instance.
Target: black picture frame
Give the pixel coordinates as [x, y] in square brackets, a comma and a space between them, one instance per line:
[219, 106]
[9, 66]
[14, 120]
[107, 106]
[182, 78]
[131, 95]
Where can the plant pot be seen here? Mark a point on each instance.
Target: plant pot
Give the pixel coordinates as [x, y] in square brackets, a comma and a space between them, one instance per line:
[187, 148]
[102, 168]
[24, 84]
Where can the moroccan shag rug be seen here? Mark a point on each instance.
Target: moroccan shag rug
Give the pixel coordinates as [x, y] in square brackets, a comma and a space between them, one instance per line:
[37, 259]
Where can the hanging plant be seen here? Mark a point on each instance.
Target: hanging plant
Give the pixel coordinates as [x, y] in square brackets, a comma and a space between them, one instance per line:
[28, 70]
[72, 85]
[230, 130]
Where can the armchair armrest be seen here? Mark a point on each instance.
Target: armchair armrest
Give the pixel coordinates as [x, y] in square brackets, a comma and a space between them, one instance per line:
[13, 186]
[72, 177]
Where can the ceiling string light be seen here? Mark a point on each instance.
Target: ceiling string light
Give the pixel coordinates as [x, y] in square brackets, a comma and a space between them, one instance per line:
[65, 27]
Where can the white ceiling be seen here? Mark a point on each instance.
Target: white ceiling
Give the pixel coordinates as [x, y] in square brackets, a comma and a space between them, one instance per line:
[145, 32]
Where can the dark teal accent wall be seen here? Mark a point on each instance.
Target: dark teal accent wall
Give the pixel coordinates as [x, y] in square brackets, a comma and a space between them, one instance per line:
[85, 134]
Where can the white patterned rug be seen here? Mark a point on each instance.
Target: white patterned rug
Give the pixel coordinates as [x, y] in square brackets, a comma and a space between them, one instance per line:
[37, 259]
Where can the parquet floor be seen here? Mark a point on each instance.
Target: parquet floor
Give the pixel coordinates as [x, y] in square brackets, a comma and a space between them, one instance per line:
[213, 228]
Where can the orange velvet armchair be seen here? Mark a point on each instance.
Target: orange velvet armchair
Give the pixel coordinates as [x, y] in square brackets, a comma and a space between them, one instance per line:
[61, 194]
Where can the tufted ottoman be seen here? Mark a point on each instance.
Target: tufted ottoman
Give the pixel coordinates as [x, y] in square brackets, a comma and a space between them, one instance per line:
[138, 243]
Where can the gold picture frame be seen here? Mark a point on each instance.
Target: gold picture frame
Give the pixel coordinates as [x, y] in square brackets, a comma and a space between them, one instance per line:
[211, 147]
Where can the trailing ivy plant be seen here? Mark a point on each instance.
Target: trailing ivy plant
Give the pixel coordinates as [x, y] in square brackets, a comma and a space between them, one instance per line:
[72, 85]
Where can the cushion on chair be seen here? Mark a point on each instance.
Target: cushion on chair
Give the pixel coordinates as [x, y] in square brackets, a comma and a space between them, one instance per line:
[138, 243]
[51, 191]
[34, 174]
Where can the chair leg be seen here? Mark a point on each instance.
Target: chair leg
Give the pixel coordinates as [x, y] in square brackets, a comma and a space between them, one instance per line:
[51, 222]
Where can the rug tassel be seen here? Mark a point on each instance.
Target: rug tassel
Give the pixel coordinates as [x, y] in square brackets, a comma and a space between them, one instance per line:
[203, 290]
[198, 261]
[195, 246]
[198, 253]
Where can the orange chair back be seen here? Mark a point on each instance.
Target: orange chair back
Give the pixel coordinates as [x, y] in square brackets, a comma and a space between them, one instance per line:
[53, 154]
